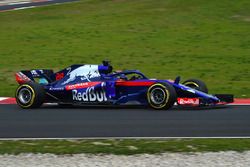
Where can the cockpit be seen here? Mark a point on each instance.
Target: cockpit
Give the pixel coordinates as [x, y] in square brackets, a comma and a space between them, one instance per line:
[129, 75]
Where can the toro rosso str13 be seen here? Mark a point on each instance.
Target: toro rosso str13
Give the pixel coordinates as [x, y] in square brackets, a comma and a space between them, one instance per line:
[97, 84]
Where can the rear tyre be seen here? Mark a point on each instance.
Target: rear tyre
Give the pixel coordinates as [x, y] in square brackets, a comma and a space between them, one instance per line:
[161, 96]
[30, 95]
[196, 84]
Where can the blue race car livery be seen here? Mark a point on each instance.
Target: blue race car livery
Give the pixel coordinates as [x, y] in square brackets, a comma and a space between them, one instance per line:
[97, 84]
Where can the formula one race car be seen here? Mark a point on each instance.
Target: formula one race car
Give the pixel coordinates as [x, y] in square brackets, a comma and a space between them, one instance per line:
[97, 84]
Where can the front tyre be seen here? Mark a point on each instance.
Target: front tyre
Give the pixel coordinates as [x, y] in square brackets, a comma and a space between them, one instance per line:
[196, 84]
[30, 95]
[161, 96]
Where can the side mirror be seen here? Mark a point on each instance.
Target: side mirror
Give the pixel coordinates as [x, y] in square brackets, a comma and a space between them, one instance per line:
[105, 62]
[105, 68]
[177, 80]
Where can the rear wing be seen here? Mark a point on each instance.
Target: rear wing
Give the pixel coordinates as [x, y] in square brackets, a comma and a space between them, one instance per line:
[25, 76]
[48, 76]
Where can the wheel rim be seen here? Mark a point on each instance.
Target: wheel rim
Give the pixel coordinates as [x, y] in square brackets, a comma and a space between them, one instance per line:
[25, 95]
[157, 96]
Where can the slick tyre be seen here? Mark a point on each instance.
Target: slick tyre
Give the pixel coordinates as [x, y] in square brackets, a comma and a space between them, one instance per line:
[196, 84]
[161, 96]
[30, 95]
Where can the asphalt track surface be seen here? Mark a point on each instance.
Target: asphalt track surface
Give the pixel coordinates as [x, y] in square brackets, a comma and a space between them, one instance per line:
[132, 121]
[32, 4]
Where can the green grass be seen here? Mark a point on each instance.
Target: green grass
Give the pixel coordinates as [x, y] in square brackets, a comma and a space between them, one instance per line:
[209, 40]
[123, 147]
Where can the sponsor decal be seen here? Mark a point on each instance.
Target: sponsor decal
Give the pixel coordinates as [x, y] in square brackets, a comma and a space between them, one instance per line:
[188, 101]
[59, 76]
[56, 89]
[33, 72]
[89, 95]
[36, 73]
[85, 72]
[82, 85]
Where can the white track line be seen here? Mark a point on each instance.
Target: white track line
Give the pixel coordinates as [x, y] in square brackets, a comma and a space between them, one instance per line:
[243, 104]
[20, 8]
[28, 7]
[19, 3]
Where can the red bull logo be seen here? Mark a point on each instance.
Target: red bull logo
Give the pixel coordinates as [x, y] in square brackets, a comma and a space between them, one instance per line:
[90, 95]
[85, 73]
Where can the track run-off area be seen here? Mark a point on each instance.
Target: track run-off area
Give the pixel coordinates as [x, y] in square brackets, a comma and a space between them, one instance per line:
[53, 121]
[8, 5]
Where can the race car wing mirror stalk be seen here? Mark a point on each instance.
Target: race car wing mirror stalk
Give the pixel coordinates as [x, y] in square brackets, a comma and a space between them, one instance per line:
[177, 80]
[105, 62]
